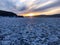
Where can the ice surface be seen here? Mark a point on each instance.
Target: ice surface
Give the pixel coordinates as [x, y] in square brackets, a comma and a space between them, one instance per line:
[29, 31]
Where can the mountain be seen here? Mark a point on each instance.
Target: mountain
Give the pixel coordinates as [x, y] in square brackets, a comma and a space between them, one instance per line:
[5, 13]
[55, 15]
[8, 14]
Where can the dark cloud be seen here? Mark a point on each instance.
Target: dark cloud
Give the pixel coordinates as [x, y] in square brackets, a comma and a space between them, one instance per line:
[56, 4]
[21, 6]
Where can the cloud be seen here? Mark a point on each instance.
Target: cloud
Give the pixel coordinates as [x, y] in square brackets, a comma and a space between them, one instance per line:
[28, 6]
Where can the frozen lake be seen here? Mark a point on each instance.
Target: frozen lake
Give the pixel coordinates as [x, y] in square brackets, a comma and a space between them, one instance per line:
[29, 31]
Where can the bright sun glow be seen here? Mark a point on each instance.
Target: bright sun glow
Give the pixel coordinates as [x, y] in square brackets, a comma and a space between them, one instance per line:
[30, 14]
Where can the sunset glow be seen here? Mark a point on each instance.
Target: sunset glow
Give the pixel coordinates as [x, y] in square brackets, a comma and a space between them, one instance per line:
[30, 14]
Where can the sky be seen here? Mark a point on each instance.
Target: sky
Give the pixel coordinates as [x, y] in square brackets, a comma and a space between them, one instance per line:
[38, 7]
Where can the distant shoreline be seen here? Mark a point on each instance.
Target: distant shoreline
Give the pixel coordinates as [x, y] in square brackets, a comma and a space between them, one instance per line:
[11, 14]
